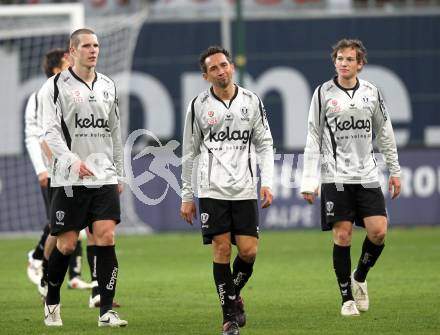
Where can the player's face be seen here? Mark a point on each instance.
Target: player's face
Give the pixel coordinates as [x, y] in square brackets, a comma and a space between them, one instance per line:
[86, 54]
[218, 70]
[346, 64]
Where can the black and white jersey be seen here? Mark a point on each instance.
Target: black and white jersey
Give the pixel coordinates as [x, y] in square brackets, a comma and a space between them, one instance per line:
[33, 132]
[82, 123]
[340, 136]
[227, 137]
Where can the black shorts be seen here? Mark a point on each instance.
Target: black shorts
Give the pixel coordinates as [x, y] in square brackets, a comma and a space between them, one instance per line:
[86, 206]
[350, 202]
[239, 217]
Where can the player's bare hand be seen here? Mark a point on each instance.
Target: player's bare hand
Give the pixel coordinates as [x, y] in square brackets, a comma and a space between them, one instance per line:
[310, 197]
[46, 150]
[81, 169]
[120, 188]
[394, 187]
[43, 178]
[266, 197]
[188, 211]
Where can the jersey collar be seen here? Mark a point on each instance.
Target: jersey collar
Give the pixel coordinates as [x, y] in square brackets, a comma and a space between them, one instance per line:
[354, 88]
[219, 99]
[82, 81]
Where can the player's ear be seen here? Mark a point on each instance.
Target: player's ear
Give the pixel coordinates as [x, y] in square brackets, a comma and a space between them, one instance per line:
[205, 75]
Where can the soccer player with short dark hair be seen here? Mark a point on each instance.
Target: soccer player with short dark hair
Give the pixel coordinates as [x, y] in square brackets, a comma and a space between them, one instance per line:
[54, 61]
[227, 128]
[344, 114]
[82, 129]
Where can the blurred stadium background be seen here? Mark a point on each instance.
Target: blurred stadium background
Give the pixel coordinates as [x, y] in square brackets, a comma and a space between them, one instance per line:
[150, 48]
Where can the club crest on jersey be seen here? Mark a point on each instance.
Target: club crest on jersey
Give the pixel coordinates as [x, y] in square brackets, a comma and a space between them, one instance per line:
[244, 113]
[105, 95]
[329, 206]
[211, 113]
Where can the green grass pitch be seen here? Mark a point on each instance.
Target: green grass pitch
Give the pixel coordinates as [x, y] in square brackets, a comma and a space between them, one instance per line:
[165, 286]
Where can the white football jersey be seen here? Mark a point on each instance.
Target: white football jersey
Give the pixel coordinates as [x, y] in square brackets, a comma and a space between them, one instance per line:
[82, 123]
[341, 125]
[33, 133]
[228, 137]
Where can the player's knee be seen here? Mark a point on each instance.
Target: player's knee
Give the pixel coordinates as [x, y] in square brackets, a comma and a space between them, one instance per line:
[248, 254]
[105, 237]
[223, 251]
[378, 236]
[342, 237]
[67, 247]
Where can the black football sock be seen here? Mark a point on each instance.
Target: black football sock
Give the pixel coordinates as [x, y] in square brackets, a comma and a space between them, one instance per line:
[39, 249]
[75, 261]
[107, 273]
[91, 259]
[57, 269]
[342, 266]
[225, 290]
[370, 254]
[242, 271]
[44, 266]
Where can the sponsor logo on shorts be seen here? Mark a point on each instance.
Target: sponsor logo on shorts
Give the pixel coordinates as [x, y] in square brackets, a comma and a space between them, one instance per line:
[329, 206]
[60, 216]
[204, 217]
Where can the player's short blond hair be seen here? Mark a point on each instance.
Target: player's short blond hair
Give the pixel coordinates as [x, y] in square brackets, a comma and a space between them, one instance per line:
[74, 38]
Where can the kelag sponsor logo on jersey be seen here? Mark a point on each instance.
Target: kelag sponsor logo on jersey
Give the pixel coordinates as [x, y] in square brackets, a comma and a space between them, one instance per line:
[235, 135]
[91, 122]
[353, 124]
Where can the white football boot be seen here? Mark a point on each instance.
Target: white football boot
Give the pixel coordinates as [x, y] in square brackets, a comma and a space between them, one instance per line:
[349, 309]
[360, 294]
[111, 319]
[52, 317]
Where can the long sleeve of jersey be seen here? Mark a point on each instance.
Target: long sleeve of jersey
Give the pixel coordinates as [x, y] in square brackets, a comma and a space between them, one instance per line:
[52, 124]
[115, 124]
[312, 151]
[33, 132]
[191, 148]
[385, 140]
[262, 139]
